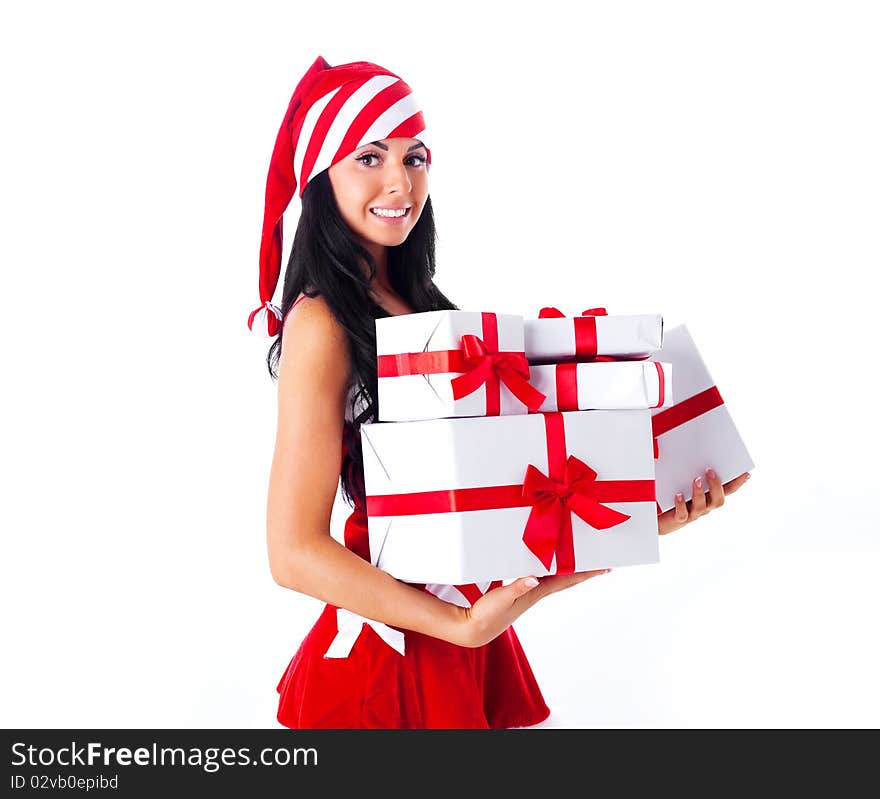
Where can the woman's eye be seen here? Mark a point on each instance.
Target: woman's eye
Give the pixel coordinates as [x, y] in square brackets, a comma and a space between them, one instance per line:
[421, 160]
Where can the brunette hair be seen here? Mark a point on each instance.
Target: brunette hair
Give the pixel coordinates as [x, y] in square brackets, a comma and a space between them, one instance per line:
[325, 261]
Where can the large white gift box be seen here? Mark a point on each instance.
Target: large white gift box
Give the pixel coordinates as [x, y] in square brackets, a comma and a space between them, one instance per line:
[625, 385]
[440, 364]
[697, 431]
[457, 501]
[554, 338]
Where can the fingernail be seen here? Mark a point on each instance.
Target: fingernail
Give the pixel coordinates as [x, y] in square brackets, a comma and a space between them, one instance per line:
[607, 570]
[748, 476]
[710, 473]
[531, 582]
[679, 497]
[698, 482]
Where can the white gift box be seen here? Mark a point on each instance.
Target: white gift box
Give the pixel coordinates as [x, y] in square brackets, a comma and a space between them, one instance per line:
[697, 431]
[419, 356]
[445, 499]
[624, 385]
[561, 339]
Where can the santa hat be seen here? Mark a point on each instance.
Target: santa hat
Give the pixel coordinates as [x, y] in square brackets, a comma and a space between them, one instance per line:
[333, 112]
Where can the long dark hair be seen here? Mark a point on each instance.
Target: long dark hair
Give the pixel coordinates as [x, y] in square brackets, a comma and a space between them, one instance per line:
[325, 261]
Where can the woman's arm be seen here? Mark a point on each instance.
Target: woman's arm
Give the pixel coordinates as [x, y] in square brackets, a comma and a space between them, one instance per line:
[313, 377]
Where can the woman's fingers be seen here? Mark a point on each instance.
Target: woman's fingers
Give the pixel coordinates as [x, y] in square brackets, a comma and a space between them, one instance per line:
[681, 508]
[523, 586]
[683, 512]
[698, 503]
[675, 518]
[558, 582]
[496, 610]
[716, 490]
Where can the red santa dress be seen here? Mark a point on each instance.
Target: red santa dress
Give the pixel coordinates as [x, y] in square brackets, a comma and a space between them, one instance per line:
[434, 684]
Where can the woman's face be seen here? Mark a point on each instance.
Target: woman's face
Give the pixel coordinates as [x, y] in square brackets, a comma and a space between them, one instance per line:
[390, 174]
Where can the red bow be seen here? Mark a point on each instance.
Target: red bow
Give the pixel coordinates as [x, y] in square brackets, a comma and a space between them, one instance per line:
[511, 368]
[554, 313]
[549, 524]
[585, 340]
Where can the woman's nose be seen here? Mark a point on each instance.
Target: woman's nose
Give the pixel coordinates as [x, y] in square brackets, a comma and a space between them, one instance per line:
[398, 177]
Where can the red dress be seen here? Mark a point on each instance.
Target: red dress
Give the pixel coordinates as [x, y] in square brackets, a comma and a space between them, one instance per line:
[433, 684]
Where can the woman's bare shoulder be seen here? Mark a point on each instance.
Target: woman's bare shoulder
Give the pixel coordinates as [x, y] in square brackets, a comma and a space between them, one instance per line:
[310, 320]
[313, 342]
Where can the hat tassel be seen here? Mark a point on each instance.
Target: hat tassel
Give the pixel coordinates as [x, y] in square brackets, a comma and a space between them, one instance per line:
[265, 320]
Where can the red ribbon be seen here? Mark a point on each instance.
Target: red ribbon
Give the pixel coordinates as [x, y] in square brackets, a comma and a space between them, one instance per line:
[567, 386]
[661, 390]
[585, 342]
[479, 362]
[548, 529]
[554, 313]
[571, 487]
[483, 366]
[684, 411]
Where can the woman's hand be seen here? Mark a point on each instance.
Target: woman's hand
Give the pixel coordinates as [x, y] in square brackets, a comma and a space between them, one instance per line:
[497, 609]
[684, 512]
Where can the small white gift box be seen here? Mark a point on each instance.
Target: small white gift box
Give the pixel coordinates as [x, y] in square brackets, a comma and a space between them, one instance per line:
[554, 338]
[624, 385]
[441, 364]
[456, 501]
[697, 431]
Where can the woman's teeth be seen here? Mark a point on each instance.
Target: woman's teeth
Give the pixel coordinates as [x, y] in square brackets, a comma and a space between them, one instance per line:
[384, 212]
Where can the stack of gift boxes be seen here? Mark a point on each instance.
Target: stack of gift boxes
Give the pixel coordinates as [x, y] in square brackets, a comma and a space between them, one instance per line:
[508, 446]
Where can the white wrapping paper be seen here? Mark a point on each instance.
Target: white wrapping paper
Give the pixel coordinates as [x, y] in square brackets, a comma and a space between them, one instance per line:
[623, 385]
[553, 340]
[473, 546]
[429, 396]
[710, 439]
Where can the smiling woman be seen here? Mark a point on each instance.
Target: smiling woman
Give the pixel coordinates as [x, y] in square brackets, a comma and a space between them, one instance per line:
[383, 653]
[381, 190]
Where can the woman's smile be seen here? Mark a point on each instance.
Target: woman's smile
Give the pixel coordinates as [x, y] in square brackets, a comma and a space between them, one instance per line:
[391, 216]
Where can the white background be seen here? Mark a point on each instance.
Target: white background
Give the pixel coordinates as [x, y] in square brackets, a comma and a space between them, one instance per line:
[716, 162]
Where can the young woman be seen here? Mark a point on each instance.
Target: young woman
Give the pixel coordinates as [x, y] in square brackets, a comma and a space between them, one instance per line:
[383, 653]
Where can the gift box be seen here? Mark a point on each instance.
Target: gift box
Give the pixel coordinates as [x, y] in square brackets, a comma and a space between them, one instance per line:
[603, 386]
[697, 431]
[469, 500]
[554, 338]
[441, 364]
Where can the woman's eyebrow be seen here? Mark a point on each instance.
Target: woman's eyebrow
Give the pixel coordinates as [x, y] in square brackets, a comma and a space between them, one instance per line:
[409, 149]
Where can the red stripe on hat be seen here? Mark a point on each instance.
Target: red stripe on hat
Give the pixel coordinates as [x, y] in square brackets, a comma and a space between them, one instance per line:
[369, 114]
[409, 128]
[295, 132]
[325, 120]
[281, 182]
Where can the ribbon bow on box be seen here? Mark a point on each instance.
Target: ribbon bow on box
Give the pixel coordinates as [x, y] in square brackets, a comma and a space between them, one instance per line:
[554, 313]
[478, 363]
[572, 487]
[553, 502]
[585, 339]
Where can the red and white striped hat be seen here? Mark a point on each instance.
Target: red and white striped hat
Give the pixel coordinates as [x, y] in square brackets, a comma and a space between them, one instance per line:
[333, 112]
